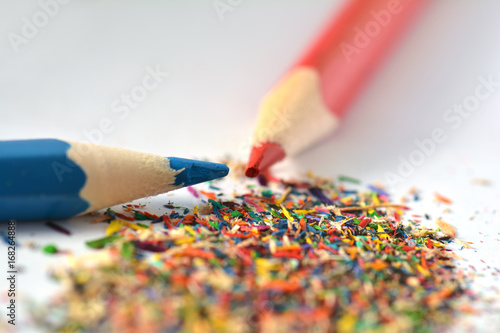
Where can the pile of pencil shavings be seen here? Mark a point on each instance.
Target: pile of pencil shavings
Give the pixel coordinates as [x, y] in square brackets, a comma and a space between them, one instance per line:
[290, 257]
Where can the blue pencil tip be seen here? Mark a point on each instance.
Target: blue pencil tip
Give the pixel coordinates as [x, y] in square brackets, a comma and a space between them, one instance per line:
[196, 171]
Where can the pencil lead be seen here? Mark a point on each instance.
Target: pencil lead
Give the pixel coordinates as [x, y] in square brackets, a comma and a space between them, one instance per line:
[194, 172]
[262, 157]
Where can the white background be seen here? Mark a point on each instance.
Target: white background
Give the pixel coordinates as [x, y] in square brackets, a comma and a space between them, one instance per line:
[63, 81]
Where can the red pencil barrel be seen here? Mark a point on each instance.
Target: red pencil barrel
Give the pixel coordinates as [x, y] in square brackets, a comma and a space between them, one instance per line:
[355, 43]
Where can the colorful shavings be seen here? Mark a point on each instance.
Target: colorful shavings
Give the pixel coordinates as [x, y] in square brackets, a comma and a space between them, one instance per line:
[292, 257]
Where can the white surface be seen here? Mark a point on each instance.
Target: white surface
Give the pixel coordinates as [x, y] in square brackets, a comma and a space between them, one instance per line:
[64, 81]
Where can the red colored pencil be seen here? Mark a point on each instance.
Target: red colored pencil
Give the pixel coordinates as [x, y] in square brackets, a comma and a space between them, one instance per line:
[309, 101]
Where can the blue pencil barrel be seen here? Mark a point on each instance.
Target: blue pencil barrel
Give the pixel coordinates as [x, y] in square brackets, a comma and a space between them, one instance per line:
[31, 186]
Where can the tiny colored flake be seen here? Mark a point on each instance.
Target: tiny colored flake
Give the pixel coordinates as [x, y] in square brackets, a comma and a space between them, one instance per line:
[114, 226]
[50, 249]
[127, 250]
[349, 179]
[481, 181]
[442, 198]
[267, 193]
[101, 242]
[446, 228]
[140, 217]
[284, 257]
[209, 195]
[193, 191]
[58, 228]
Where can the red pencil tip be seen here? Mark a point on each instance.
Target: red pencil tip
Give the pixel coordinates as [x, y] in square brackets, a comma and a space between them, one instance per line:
[252, 172]
[262, 157]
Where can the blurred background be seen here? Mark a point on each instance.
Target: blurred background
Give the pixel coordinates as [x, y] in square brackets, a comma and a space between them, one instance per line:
[198, 70]
[67, 68]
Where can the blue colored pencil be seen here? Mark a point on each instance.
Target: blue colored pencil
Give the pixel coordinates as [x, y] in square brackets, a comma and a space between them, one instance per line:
[53, 179]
